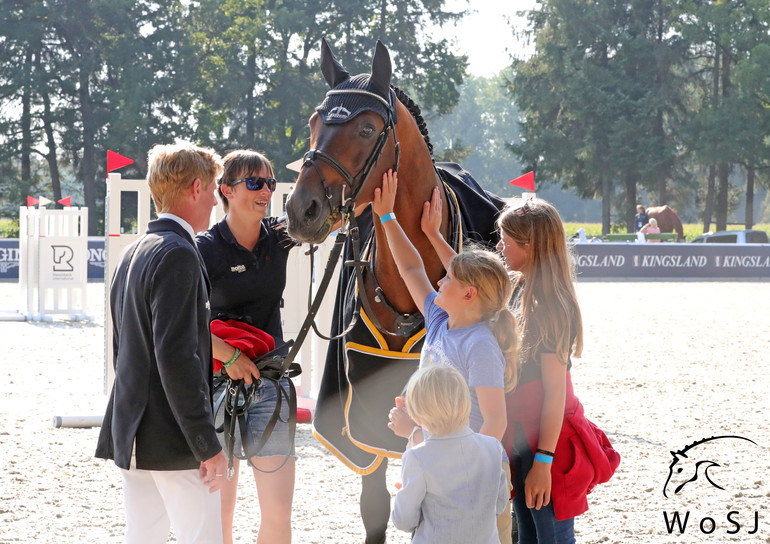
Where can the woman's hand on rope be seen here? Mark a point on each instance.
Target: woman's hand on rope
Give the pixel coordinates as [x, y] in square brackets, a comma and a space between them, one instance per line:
[243, 369]
[385, 197]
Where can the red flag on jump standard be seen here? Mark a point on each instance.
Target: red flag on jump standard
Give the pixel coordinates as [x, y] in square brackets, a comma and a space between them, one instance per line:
[527, 181]
[31, 201]
[65, 201]
[115, 161]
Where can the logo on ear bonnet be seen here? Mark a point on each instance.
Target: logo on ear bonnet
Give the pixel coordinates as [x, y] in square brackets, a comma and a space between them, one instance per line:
[339, 112]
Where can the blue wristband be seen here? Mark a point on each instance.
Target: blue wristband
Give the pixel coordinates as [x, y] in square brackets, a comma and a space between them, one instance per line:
[387, 217]
[543, 458]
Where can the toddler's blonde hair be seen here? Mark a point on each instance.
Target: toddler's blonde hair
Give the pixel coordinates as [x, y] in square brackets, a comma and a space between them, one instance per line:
[438, 396]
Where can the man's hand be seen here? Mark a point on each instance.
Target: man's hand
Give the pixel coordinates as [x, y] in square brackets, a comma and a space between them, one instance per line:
[214, 471]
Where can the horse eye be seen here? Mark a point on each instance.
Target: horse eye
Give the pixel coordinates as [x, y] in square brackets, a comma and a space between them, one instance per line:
[679, 470]
[366, 131]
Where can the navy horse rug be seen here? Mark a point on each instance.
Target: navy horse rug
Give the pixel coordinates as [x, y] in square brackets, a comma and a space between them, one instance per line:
[361, 375]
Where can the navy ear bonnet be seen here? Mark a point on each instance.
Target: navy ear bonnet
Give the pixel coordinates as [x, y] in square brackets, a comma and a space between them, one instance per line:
[351, 96]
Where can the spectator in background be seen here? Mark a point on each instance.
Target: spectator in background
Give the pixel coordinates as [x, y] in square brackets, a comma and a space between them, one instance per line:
[651, 228]
[641, 218]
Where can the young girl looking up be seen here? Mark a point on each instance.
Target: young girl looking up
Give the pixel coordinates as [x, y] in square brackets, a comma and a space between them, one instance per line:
[467, 322]
[551, 476]
[468, 325]
[453, 484]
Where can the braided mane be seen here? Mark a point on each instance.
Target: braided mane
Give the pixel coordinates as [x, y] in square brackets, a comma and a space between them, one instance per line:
[414, 110]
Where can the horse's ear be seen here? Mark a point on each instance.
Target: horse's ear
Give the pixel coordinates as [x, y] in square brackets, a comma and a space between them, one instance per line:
[381, 69]
[332, 70]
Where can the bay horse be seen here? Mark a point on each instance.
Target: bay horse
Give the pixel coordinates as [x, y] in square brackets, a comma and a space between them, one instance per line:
[667, 218]
[366, 126]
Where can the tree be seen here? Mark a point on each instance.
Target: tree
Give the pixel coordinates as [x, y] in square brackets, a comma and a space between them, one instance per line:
[564, 92]
[479, 132]
[727, 42]
[601, 99]
[84, 76]
[259, 70]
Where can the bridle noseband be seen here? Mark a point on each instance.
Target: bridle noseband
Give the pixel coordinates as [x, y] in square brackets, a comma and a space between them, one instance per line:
[355, 183]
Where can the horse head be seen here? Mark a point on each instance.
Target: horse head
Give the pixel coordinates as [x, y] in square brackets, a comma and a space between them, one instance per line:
[349, 132]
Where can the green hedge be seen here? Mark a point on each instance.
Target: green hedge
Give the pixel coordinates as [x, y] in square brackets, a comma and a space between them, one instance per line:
[9, 228]
[691, 230]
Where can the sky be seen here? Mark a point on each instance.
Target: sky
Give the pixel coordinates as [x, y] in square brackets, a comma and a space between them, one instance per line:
[485, 35]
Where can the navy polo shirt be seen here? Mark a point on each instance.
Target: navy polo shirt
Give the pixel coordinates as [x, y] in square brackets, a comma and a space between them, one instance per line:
[248, 285]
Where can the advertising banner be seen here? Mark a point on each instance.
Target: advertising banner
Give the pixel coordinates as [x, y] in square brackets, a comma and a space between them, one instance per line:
[664, 261]
[9, 259]
[595, 261]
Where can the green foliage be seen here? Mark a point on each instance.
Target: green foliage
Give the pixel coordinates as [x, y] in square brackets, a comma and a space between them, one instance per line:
[478, 132]
[691, 230]
[592, 230]
[622, 101]
[9, 228]
[599, 98]
[81, 77]
[259, 78]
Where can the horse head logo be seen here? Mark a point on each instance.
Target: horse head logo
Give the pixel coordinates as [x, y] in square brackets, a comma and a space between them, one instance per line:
[688, 465]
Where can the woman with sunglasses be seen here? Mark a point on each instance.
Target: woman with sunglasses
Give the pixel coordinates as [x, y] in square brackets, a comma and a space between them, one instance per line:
[245, 255]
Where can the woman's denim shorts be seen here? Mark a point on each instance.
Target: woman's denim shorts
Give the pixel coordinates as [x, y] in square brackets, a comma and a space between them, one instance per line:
[259, 412]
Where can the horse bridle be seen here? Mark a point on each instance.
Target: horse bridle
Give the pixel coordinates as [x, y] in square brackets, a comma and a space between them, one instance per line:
[355, 183]
[405, 323]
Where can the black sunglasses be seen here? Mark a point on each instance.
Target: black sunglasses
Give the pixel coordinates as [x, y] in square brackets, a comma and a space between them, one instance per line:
[256, 184]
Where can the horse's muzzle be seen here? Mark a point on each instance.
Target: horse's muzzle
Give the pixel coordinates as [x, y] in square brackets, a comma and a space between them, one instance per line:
[309, 220]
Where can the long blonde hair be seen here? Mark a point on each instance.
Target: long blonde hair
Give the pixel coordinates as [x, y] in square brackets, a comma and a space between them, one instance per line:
[486, 271]
[548, 296]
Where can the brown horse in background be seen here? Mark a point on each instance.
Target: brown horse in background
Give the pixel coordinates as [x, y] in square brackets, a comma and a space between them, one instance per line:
[668, 220]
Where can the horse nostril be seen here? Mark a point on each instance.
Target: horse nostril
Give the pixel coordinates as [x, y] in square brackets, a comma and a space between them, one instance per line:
[311, 211]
